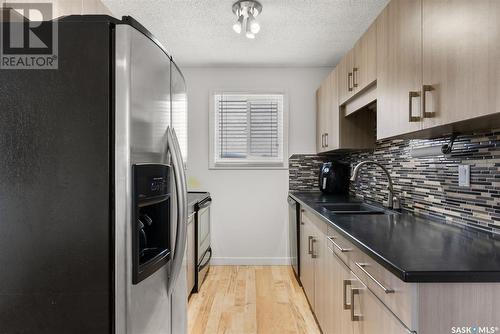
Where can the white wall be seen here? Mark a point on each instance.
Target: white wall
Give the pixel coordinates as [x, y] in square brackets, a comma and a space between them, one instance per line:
[249, 210]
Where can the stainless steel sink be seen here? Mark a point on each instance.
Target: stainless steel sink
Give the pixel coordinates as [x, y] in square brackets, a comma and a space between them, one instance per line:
[353, 208]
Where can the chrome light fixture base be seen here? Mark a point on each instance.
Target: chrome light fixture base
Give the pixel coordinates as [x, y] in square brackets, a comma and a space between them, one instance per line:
[246, 11]
[240, 5]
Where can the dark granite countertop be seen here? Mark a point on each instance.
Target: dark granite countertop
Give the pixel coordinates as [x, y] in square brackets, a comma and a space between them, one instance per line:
[414, 248]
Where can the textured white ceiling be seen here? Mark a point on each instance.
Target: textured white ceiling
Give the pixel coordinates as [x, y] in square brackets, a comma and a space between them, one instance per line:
[293, 33]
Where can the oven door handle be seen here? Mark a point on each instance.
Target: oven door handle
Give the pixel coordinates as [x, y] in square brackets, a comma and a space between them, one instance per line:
[203, 265]
[204, 203]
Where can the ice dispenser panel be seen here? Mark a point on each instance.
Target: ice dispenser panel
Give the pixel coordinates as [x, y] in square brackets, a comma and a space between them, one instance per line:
[151, 219]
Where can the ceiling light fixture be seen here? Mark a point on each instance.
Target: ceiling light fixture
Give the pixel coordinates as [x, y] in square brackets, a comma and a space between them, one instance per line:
[238, 25]
[247, 11]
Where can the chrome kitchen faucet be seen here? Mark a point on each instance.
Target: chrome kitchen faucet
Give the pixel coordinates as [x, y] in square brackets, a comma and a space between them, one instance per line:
[393, 201]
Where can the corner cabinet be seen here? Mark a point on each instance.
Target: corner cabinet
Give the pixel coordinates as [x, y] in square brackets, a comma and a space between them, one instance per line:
[351, 293]
[335, 131]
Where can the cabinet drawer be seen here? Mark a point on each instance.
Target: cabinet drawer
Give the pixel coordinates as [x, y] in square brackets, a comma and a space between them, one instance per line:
[343, 248]
[317, 222]
[393, 292]
[397, 295]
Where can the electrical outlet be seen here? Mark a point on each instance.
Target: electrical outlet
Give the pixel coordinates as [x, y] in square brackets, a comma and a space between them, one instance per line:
[464, 175]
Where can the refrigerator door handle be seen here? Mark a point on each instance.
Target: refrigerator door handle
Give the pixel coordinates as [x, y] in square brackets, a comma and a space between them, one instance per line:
[181, 190]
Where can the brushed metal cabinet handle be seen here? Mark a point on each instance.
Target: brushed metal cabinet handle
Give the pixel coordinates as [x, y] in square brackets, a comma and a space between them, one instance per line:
[349, 79]
[326, 139]
[346, 283]
[313, 255]
[425, 89]
[362, 267]
[309, 247]
[340, 248]
[355, 77]
[412, 118]
[354, 316]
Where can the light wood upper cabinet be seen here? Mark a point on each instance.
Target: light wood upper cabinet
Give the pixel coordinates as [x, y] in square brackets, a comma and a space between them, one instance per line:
[365, 60]
[399, 68]
[345, 77]
[358, 69]
[334, 130]
[461, 60]
[320, 114]
[327, 102]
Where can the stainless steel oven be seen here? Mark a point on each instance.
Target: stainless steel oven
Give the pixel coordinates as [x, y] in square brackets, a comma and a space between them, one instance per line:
[203, 249]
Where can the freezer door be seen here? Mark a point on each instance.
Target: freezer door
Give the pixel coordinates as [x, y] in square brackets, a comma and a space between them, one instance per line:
[142, 117]
[179, 110]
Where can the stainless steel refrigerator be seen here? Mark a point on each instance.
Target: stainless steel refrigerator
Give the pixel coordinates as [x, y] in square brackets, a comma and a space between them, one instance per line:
[93, 198]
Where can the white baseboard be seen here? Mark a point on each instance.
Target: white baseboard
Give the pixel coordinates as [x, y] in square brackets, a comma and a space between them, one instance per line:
[250, 261]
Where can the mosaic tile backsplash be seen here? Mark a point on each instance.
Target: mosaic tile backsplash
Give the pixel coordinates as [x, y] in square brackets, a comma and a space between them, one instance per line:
[426, 185]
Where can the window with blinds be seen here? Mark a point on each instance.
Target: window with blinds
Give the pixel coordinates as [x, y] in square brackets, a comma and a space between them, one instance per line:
[248, 130]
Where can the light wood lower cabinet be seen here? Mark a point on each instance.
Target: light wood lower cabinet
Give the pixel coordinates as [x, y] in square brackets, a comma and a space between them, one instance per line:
[371, 316]
[306, 259]
[351, 306]
[348, 301]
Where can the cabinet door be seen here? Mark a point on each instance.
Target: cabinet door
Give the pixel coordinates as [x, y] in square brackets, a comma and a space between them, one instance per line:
[365, 59]
[461, 60]
[399, 68]
[339, 279]
[319, 277]
[337, 319]
[320, 133]
[306, 261]
[345, 77]
[372, 316]
[333, 118]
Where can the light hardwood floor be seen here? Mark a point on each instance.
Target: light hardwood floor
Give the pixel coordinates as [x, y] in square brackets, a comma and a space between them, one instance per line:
[250, 299]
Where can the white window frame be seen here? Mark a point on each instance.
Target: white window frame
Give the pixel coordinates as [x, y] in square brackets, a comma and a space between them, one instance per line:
[238, 163]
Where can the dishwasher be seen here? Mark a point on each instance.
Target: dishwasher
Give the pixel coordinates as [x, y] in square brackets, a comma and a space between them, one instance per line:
[293, 234]
[202, 234]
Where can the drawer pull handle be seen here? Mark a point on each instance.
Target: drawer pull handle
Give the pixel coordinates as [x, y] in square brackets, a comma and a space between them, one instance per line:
[313, 255]
[344, 295]
[340, 248]
[354, 316]
[309, 247]
[355, 77]
[349, 79]
[412, 118]
[362, 267]
[425, 89]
